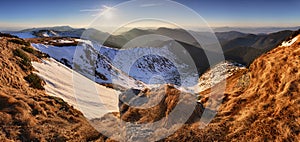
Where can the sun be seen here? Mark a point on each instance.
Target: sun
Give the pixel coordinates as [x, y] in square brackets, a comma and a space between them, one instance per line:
[107, 12]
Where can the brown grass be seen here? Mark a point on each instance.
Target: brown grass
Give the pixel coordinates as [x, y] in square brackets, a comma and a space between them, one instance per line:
[161, 103]
[51, 41]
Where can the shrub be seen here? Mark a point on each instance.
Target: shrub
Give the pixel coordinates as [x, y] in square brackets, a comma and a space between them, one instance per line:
[19, 41]
[20, 53]
[34, 81]
[29, 50]
[25, 63]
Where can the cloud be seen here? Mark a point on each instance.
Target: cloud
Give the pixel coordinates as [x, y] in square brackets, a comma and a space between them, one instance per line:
[102, 9]
[150, 4]
[97, 11]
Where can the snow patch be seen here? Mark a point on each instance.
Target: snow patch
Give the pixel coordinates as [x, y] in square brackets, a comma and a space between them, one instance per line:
[65, 41]
[290, 42]
[45, 35]
[94, 103]
[217, 74]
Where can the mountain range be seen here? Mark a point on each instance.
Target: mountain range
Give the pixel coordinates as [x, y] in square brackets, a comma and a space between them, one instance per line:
[260, 71]
[236, 46]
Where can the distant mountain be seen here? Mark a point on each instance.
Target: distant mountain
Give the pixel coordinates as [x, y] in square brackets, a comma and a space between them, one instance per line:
[56, 28]
[227, 36]
[238, 47]
[48, 32]
[135, 32]
[61, 31]
[255, 30]
[245, 49]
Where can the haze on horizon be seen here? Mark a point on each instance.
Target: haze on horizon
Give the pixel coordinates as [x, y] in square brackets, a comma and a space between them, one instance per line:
[17, 15]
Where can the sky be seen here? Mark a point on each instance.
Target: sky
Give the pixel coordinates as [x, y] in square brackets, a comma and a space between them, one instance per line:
[15, 14]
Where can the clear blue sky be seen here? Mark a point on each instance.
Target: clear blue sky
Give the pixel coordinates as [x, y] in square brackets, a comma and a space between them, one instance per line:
[41, 13]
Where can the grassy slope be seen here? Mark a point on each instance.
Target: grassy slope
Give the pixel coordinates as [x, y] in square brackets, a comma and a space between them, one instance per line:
[28, 114]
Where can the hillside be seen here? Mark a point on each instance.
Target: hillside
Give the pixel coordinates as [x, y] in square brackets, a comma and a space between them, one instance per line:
[260, 104]
[27, 113]
[247, 48]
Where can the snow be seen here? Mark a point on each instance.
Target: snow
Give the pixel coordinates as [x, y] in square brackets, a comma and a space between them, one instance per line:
[85, 95]
[56, 52]
[65, 41]
[84, 41]
[217, 74]
[45, 34]
[53, 34]
[290, 42]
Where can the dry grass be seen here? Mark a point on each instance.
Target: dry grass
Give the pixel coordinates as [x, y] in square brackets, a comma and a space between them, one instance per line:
[160, 103]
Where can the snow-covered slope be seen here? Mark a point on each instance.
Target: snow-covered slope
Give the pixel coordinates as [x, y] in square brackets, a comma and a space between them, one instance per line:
[124, 67]
[61, 31]
[137, 67]
[154, 66]
[217, 74]
[88, 62]
[93, 99]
